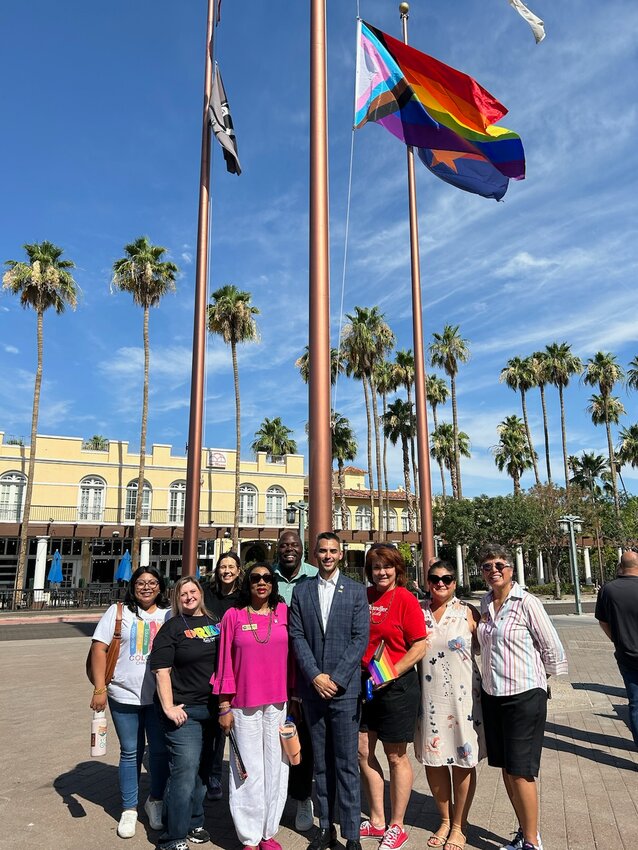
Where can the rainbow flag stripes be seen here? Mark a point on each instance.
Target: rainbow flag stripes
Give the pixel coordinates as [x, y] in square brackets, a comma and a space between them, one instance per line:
[443, 112]
[380, 667]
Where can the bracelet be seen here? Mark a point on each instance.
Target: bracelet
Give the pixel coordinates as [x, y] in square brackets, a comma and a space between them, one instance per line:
[98, 691]
[226, 711]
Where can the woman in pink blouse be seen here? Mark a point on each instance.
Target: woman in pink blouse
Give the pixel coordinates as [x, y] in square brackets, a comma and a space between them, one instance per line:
[252, 683]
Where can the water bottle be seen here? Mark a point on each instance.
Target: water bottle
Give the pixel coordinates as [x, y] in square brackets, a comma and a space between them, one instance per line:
[98, 734]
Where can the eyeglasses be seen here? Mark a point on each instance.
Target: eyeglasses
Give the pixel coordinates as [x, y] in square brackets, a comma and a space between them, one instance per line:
[494, 565]
[446, 579]
[255, 578]
[152, 584]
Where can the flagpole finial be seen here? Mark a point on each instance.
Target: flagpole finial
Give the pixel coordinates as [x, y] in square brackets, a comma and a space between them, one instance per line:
[404, 9]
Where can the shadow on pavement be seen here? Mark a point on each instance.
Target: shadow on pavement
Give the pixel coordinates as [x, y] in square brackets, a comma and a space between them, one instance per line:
[609, 690]
[93, 781]
[599, 756]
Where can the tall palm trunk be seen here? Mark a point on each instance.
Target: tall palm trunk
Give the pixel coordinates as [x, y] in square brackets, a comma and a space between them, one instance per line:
[384, 397]
[545, 433]
[517, 483]
[233, 350]
[415, 471]
[342, 496]
[612, 461]
[454, 479]
[441, 467]
[135, 545]
[377, 444]
[529, 437]
[455, 424]
[24, 528]
[366, 396]
[406, 479]
[563, 430]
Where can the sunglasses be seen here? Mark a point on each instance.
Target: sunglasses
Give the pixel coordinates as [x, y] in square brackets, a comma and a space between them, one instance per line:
[446, 579]
[494, 565]
[255, 578]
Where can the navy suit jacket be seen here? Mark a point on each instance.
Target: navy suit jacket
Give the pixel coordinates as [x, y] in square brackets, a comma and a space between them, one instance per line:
[339, 649]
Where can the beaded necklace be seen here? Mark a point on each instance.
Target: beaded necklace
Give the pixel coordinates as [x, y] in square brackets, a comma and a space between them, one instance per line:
[253, 626]
[387, 610]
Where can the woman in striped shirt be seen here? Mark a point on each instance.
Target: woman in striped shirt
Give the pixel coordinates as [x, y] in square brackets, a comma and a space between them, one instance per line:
[519, 649]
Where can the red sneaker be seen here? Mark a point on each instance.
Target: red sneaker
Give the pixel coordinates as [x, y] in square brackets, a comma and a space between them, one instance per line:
[394, 838]
[368, 830]
[269, 844]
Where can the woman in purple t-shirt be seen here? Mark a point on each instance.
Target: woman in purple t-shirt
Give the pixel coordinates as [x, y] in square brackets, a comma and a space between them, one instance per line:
[252, 683]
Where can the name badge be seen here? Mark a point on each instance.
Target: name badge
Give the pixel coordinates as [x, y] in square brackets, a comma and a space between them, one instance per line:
[249, 627]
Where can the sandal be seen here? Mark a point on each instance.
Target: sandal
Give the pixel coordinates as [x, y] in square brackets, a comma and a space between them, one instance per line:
[455, 845]
[436, 840]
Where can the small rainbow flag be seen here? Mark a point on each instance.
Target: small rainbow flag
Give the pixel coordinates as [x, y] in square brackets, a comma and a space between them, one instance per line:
[380, 667]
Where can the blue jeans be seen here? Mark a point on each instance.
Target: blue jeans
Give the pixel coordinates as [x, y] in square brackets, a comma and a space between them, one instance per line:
[134, 724]
[630, 678]
[190, 748]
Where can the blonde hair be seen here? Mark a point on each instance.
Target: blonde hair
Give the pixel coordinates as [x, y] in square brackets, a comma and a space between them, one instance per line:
[179, 584]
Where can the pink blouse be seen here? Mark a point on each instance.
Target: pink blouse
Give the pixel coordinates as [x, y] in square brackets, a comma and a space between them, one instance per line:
[256, 673]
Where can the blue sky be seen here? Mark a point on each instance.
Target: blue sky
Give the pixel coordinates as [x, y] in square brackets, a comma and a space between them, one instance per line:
[100, 145]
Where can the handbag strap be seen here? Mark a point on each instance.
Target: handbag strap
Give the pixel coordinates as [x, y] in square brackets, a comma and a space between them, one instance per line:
[117, 631]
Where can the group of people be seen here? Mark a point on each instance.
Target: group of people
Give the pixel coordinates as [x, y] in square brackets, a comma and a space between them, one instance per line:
[354, 668]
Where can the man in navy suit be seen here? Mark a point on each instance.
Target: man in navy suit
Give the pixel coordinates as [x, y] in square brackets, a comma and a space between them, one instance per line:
[329, 623]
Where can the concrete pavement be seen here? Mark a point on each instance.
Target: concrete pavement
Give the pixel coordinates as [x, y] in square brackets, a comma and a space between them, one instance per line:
[53, 795]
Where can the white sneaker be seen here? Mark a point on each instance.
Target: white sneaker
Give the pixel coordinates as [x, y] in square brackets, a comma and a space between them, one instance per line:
[127, 824]
[153, 809]
[305, 813]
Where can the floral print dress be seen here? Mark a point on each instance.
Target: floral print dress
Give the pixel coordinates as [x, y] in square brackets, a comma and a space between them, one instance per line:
[449, 728]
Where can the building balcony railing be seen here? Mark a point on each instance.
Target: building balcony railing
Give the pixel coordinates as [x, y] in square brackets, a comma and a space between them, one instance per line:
[157, 516]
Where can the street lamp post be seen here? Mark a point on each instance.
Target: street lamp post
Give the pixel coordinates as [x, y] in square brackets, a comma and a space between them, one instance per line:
[438, 540]
[570, 524]
[291, 512]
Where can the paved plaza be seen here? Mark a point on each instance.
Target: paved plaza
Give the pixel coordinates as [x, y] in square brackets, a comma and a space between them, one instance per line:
[53, 795]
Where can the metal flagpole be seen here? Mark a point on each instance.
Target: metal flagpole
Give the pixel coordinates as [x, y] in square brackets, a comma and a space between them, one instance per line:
[194, 460]
[320, 437]
[425, 491]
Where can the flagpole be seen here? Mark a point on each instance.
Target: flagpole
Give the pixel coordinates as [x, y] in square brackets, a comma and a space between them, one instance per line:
[194, 459]
[425, 491]
[320, 437]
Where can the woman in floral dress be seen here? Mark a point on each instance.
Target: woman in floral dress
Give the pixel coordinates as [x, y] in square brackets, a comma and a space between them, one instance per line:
[449, 733]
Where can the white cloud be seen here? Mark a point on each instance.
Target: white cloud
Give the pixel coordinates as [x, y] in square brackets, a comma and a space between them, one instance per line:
[11, 349]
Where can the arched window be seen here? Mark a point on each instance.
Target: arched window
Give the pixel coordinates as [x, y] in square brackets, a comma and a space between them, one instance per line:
[12, 491]
[248, 504]
[405, 520]
[176, 501]
[131, 501]
[91, 501]
[390, 519]
[275, 506]
[363, 518]
[337, 518]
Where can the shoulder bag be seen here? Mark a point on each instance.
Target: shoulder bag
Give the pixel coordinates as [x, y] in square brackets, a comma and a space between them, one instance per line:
[112, 653]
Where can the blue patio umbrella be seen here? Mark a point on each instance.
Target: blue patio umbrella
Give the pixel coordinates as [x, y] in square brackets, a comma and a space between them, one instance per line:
[123, 572]
[55, 570]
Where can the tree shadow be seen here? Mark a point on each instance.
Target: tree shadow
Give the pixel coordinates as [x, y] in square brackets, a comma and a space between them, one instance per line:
[609, 690]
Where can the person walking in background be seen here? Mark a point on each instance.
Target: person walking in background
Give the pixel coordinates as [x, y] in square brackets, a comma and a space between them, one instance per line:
[130, 693]
[449, 739]
[396, 620]
[291, 570]
[519, 650]
[183, 659]
[617, 614]
[221, 594]
[252, 684]
[329, 627]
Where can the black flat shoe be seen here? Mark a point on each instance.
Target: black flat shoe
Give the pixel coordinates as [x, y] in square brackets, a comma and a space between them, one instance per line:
[352, 844]
[325, 838]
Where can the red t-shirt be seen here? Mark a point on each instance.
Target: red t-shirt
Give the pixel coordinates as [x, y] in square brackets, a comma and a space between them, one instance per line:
[395, 617]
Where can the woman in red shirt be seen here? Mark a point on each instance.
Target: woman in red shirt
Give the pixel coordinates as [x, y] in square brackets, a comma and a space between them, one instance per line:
[390, 716]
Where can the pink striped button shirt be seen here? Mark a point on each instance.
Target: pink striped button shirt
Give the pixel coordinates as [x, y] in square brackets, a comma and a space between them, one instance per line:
[519, 645]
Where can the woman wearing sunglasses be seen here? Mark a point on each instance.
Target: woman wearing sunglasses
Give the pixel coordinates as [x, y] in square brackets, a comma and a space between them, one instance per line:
[252, 683]
[520, 650]
[449, 739]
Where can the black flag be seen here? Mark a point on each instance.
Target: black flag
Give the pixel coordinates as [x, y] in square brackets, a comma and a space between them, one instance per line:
[222, 123]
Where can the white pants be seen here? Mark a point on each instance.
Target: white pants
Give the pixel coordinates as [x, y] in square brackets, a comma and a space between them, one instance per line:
[256, 803]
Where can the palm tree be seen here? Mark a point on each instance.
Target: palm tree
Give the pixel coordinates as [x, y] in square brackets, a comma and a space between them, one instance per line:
[513, 452]
[559, 366]
[519, 376]
[627, 451]
[399, 424]
[403, 368]
[273, 437]
[447, 351]
[539, 364]
[385, 383]
[147, 277]
[344, 448]
[230, 315]
[632, 375]
[437, 393]
[587, 470]
[97, 443]
[604, 371]
[336, 364]
[442, 449]
[42, 282]
[365, 340]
